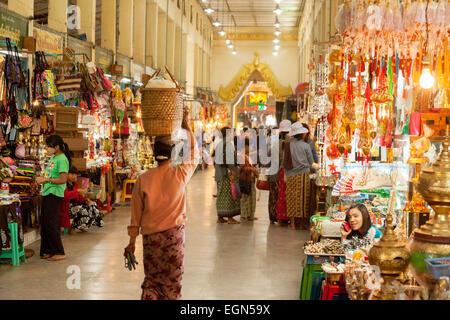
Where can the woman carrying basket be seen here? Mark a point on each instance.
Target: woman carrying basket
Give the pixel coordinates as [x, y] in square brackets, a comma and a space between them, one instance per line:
[158, 213]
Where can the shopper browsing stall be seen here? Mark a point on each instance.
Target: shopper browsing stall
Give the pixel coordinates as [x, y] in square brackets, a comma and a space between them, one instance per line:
[357, 227]
[298, 162]
[282, 218]
[247, 179]
[54, 184]
[225, 173]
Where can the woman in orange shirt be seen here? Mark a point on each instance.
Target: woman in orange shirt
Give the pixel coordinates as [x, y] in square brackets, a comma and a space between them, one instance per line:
[158, 212]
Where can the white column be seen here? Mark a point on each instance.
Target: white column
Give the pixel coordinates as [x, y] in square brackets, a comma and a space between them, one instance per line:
[88, 10]
[108, 37]
[57, 15]
[161, 40]
[152, 33]
[171, 46]
[22, 7]
[139, 31]
[126, 27]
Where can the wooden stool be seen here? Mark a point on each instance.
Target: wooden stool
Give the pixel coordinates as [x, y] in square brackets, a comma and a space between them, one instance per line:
[17, 252]
[127, 191]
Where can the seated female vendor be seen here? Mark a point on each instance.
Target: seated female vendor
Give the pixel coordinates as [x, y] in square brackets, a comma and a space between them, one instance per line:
[358, 226]
[77, 212]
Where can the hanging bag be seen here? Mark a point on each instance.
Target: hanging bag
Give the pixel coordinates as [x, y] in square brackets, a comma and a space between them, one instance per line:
[23, 75]
[89, 81]
[106, 83]
[262, 183]
[13, 72]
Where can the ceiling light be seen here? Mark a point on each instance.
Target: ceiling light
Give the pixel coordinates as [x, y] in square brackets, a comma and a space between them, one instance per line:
[230, 46]
[276, 40]
[217, 23]
[234, 52]
[277, 32]
[277, 23]
[209, 10]
[278, 1]
[228, 41]
[275, 53]
[222, 32]
[426, 79]
[204, 1]
[277, 10]
[276, 47]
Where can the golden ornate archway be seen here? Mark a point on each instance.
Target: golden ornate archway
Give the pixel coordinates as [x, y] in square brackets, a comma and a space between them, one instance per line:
[233, 88]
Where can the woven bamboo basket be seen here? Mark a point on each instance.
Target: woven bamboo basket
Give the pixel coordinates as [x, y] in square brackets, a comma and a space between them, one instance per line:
[162, 109]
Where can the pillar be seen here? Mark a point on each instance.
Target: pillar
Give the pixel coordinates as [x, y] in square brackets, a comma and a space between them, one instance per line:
[184, 55]
[139, 31]
[152, 34]
[171, 46]
[109, 25]
[126, 27]
[22, 7]
[161, 40]
[334, 8]
[178, 39]
[57, 15]
[88, 10]
[190, 68]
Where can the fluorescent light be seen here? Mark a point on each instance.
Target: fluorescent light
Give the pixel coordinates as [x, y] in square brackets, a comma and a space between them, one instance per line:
[277, 10]
[209, 10]
[277, 23]
[276, 40]
[277, 32]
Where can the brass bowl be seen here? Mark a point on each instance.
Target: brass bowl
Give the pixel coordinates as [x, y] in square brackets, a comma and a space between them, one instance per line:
[391, 257]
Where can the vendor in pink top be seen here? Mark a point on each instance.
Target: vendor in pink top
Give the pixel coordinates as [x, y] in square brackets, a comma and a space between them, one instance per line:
[158, 212]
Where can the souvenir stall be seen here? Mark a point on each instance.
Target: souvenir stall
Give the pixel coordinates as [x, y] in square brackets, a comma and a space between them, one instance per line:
[20, 152]
[380, 98]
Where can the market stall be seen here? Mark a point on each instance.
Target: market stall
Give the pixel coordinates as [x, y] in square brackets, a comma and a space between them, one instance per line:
[378, 101]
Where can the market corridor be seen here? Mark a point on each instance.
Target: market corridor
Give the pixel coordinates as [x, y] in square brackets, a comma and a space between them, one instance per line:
[247, 261]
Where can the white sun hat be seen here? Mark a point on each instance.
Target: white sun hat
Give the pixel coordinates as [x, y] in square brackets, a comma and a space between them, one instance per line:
[298, 128]
[285, 126]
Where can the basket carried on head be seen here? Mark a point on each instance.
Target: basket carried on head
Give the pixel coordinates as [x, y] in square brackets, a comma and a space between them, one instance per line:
[162, 108]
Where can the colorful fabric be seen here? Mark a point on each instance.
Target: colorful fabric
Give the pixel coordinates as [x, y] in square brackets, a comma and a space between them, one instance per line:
[281, 203]
[248, 202]
[297, 196]
[56, 166]
[163, 264]
[273, 195]
[225, 204]
[85, 215]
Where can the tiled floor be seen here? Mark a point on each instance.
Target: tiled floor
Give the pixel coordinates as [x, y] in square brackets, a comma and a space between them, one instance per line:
[248, 261]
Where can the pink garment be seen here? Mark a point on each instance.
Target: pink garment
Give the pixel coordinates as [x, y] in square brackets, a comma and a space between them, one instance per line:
[163, 264]
[281, 202]
[159, 197]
